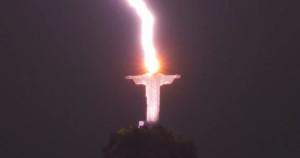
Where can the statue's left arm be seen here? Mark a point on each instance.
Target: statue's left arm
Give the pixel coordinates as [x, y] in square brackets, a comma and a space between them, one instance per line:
[168, 79]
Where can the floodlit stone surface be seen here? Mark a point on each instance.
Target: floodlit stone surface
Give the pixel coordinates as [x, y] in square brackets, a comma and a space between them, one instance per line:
[153, 83]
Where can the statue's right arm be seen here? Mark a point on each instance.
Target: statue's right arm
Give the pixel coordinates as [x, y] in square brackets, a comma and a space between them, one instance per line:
[137, 79]
[129, 77]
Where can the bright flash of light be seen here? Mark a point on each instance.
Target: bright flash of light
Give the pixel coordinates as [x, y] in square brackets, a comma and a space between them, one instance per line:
[147, 20]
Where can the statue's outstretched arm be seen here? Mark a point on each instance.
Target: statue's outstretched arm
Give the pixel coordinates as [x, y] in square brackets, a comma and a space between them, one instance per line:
[137, 79]
[168, 79]
[129, 77]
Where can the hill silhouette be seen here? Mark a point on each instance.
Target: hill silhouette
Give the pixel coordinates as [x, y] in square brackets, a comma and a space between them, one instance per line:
[144, 142]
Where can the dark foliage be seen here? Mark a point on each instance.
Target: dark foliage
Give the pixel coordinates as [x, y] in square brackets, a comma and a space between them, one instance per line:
[156, 142]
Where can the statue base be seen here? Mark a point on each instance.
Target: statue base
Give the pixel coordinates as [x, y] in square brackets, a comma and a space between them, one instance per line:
[148, 124]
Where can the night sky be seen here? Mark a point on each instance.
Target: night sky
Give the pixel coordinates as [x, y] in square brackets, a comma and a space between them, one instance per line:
[63, 67]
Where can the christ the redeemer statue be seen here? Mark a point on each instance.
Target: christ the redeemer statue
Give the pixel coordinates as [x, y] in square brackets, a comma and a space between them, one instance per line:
[153, 83]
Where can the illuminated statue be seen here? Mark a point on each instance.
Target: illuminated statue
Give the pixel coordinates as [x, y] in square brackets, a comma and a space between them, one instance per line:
[152, 80]
[153, 83]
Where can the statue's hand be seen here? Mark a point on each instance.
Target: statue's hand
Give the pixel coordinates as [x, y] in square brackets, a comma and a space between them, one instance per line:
[177, 76]
[129, 77]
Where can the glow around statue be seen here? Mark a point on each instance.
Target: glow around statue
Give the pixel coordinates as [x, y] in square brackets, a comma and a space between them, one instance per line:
[153, 83]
